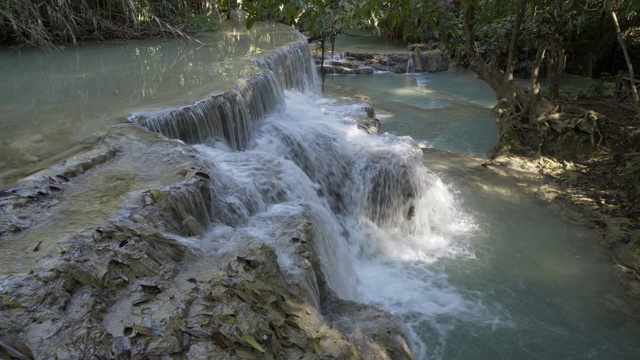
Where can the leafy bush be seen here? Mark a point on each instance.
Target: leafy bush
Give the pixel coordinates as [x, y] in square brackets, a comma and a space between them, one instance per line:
[600, 88]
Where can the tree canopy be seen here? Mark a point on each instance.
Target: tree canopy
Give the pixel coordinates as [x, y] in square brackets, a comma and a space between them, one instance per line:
[509, 44]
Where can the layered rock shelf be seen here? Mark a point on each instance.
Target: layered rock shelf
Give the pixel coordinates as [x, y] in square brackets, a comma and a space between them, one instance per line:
[104, 256]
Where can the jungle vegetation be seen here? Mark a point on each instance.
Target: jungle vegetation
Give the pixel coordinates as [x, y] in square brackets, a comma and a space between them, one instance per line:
[46, 23]
[510, 44]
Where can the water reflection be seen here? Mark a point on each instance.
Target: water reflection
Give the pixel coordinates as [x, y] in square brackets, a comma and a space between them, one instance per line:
[435, 110]
[54, 103]
[549, 282]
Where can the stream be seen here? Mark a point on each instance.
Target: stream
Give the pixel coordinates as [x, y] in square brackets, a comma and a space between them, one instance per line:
[483, 270]
[522, 282]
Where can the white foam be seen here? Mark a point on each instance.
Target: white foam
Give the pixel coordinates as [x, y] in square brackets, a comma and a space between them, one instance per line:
[308, 158]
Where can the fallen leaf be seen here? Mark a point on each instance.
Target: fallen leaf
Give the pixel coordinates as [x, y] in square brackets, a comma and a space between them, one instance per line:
[251, 341]
[245, 355]
[199, 334]
[16, 347]
[316, 347]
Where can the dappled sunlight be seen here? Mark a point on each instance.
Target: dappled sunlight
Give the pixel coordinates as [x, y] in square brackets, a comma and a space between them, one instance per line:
[508, 189]
[410, 91]
[429, 116]
[544, 270]
[505, 183]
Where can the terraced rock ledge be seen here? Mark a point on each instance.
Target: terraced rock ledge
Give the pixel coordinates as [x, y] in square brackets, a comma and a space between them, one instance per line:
[107, 255]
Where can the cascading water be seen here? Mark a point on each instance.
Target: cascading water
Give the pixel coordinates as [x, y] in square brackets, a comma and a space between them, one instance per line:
[379, 218]
[230, 117]
[411, 66]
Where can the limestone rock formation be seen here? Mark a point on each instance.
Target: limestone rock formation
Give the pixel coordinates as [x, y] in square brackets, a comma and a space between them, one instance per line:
[108, 256]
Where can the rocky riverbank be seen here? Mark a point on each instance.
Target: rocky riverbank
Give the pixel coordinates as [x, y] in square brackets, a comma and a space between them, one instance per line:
[592, 185]
[415, 59]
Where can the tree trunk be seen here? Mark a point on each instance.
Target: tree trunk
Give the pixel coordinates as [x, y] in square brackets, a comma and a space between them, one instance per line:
[535, 73]
[491, 75]
[513, 46]
[500, 80]
[556, 63]
[515, 103]
[636, 100]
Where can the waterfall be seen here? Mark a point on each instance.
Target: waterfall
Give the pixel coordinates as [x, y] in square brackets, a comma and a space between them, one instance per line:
[279, 155]
[233, 116]
[186, 204]
[411, 66]
[379, 217]
[294, 67]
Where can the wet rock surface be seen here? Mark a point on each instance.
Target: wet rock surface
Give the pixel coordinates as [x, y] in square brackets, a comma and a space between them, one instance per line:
[108, 256]
[354, 63]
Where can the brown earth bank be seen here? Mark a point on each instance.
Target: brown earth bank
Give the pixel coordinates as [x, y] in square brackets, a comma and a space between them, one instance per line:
[594, 184]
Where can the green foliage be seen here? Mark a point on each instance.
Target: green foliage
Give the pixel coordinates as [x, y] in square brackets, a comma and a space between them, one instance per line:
[600, 88]
[596, 89]
[203, 23]
[318, 17]
[323, 20]
[46, 23]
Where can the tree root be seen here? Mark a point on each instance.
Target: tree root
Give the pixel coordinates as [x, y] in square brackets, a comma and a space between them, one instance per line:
[537, 127]
[567, 118]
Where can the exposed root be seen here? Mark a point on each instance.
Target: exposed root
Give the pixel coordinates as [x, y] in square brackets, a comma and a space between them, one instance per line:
[547, 126]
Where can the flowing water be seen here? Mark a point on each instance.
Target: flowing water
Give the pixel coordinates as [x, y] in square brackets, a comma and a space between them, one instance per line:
[55, 105]
[518, 282]
[445, 110]
[472, 267]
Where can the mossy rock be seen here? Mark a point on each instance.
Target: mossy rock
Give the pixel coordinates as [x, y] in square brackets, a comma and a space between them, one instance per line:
[629, 254]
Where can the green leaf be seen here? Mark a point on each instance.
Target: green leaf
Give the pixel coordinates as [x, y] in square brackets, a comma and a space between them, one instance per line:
[316, 347]
[290, 13]
[250, 21]
[8, 301]
[227, 319]
[95, 282]
[251, 341]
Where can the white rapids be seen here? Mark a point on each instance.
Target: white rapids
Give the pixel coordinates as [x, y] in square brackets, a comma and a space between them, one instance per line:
[359, 191]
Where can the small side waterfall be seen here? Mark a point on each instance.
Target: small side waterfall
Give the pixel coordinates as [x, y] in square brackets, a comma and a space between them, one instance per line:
[294, 67]
[411, 66]
[189, 205]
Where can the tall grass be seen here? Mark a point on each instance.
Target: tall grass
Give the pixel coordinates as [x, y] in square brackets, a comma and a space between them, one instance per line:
[46, 23]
